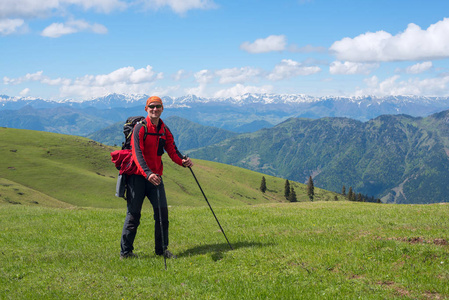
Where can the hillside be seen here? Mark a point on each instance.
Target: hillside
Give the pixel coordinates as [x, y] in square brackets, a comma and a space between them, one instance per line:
[78, 171]
[400, 158]
[188, 135]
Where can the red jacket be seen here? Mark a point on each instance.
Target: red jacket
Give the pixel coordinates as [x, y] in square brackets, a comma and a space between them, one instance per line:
[147, 153]
[123, 161]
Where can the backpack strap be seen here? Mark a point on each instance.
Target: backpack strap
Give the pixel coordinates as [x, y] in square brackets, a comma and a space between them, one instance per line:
[144, 124]
[158, 134]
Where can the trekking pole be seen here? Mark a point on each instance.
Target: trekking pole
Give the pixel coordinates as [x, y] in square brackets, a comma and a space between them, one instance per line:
[210, 207]
[162, 227]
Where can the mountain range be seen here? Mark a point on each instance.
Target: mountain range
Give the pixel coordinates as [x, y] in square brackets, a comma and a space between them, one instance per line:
[247, 113]
[398, 158]
[394, 148]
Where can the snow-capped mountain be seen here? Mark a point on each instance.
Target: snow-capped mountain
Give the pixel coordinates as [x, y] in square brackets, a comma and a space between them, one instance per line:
[129, 100]
[232, 113]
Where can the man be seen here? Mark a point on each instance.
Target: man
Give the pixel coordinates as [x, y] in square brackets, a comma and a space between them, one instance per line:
[147, 149]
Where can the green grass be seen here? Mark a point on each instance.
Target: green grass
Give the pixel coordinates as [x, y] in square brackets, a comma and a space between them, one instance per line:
[319, 250]
[61, 223]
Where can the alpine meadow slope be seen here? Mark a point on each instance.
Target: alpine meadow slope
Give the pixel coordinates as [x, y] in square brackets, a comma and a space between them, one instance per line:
[187, 134]
[398, 158]
[75, 171]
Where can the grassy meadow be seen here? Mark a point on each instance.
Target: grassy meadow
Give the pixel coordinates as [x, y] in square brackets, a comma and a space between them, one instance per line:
[320, 250]
[61, 224]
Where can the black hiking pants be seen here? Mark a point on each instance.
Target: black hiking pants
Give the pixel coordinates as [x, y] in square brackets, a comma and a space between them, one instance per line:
[139, 188]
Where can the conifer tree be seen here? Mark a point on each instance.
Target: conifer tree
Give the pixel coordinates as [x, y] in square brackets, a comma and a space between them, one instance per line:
[350, 194]
[263, 185]
[310, 188]
[343, 191]
[292, 195]
[287, 189]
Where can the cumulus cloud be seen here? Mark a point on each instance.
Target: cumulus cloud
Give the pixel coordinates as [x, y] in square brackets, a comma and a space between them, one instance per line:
[204, 76]
[288, 68]
[123, 80]
[414, 86]
[38, 76]
[269, 44]
[419, 67]
[412, 44]
[44, 8]
[127, 75]
[238, 75]
[180, 75]
[348, 68]
[56, 30]
[179, 6]
[24, 92]
[10, 26]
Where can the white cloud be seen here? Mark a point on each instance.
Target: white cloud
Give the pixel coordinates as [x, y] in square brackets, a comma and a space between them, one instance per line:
[288, 68]
[103, 6]
[412, 44]
[123, 80]
[238, 75]
[348, 68]
[269, 44]
[55, 82]
[179, 6]
[419, 67]
[127, 75]
[56, 30]
[240, 89]
[180, 75]
[414, 86]
[24, 92]
[204, 76]
[38, 76]
[44, 8]
[10, 26]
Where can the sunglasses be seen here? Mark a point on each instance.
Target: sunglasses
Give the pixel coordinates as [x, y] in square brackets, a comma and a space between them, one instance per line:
[155, 106]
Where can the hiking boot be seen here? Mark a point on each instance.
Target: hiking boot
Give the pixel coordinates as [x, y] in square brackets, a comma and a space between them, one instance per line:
[168, 254]
[128, 255]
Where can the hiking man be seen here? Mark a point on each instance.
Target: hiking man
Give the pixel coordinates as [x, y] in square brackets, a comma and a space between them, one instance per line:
[147, 149]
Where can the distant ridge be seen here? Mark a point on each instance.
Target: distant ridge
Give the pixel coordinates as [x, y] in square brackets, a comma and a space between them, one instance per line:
[232, 113]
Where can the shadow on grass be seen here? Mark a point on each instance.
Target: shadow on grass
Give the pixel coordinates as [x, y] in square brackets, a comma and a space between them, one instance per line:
[218, 250]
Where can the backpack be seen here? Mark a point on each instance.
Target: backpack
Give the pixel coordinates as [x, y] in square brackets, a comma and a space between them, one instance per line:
[124, 155]
[128, 128]
[123, 158]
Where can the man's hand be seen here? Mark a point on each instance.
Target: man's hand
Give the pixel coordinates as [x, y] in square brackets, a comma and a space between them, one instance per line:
[154, 179]
[186, 162]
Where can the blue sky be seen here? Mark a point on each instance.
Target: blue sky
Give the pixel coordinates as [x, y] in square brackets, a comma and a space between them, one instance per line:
[80, 49]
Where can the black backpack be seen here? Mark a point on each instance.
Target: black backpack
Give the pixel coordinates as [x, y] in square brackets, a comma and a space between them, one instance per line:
[128, 128]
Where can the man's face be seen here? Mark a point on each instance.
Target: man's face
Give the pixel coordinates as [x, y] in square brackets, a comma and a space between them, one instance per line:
[155, 110]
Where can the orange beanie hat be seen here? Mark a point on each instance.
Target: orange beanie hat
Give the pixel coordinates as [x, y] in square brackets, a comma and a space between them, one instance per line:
[153, 99]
